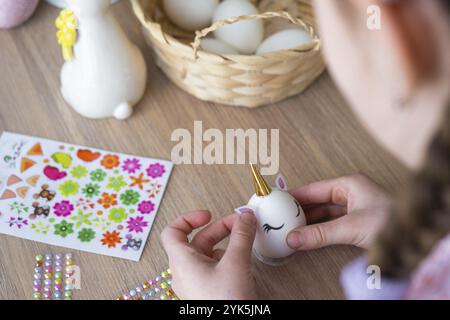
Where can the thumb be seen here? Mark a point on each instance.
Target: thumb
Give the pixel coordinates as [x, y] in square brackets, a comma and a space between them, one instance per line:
[241, 239]
[321, 235]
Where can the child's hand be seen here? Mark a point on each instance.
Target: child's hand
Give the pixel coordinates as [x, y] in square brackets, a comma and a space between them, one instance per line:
[201, 272]
[347, 210]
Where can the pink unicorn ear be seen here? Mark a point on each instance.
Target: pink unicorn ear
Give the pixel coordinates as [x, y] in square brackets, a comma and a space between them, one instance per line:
[281, 182]
[246, 208]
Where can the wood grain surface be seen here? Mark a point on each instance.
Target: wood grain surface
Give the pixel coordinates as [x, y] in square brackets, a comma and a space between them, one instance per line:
[319, 138]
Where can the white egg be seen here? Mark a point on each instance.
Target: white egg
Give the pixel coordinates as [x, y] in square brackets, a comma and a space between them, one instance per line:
[245, 36]
[190, 15]
[217, 46]
[283, 214]
[284, 40]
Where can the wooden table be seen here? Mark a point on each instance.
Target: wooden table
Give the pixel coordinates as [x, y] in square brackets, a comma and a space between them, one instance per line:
[319, 138]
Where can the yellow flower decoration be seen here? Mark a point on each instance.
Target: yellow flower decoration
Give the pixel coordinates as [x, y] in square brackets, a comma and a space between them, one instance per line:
[67, 32]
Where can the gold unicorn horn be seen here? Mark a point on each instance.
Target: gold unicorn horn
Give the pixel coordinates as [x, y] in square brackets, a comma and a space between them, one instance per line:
[261, 187]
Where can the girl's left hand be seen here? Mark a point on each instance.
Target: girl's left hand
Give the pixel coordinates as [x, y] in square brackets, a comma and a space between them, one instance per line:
[201, 272]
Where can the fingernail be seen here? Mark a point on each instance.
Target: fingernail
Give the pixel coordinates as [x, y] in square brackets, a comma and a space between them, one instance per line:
[248, 216]
[293, 240]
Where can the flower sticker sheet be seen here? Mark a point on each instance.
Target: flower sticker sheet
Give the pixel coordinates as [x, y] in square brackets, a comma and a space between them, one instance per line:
[79, 197]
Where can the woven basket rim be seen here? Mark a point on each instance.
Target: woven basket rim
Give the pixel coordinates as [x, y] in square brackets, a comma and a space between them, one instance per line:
[314, 45]
[239, 80]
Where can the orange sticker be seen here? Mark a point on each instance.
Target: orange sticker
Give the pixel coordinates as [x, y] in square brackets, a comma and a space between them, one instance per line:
[22, 191]
[13, 180]
[26, 164]
[7, 194]
[88, 155]
[33, 180]
[36, 150]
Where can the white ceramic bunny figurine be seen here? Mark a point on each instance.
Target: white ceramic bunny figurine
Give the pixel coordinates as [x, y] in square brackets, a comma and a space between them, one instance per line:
[105, 74]
[277, 213]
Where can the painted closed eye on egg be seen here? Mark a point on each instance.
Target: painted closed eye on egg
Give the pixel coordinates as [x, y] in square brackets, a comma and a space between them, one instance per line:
[268, 227]
[298, 207]
[277, 213]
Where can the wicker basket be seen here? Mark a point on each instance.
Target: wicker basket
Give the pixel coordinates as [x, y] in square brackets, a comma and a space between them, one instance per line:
[238, 80]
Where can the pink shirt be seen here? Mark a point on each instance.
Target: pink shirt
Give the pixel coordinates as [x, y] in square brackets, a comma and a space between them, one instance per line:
[431, 280]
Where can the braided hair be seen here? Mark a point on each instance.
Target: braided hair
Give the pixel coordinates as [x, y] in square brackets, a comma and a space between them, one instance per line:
[422, 217]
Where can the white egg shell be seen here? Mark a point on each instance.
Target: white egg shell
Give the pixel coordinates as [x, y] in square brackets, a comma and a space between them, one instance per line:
[245, 36]
[190, 15]
[276, 209]
[217, 46]
[284, 40]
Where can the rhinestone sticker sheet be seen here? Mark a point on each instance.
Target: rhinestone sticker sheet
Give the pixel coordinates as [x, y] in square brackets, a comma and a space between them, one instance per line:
[79, 197]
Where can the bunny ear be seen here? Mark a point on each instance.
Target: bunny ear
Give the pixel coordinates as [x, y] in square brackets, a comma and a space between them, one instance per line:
[246, 208]
[281, 182]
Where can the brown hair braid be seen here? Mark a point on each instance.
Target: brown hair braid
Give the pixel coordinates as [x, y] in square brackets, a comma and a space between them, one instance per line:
[422, 218]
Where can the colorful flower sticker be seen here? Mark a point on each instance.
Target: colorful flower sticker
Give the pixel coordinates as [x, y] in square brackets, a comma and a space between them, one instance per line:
[85, 204]
[108, 200]
[98, 175]
[139, 181]
[91, 190]
[111, 239]
[116, 183]
[137, 224]
[40, 227]
[68, 188]
[63, 229]
[110, 161]
[63, 208]
[17, 222]
[81, 218]
[79, 172]
[86, 235]
[132, 243]
[131, 165]
[101, 223]
[146, 207]
[155, 170]
[18, 208]
[129, 197]
[117, 215]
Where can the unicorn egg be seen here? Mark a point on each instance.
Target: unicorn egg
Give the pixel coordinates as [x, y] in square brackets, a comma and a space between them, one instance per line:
[277, 213]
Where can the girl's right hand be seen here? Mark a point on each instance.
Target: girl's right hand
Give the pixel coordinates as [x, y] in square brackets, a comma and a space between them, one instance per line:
[348, 210]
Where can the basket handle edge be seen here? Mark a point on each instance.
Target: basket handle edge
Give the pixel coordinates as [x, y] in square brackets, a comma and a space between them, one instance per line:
[200, 34]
